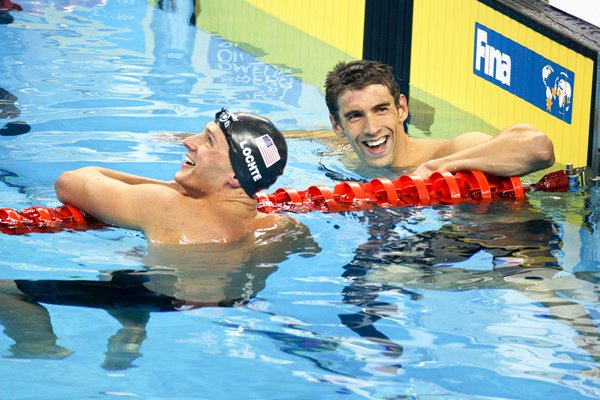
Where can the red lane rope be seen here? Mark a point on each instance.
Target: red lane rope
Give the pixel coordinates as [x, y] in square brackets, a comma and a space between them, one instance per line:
[44, 219]
[407, 190]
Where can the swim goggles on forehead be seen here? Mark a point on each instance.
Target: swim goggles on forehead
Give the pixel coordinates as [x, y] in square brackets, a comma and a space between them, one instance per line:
[224, 119]
[257, 150]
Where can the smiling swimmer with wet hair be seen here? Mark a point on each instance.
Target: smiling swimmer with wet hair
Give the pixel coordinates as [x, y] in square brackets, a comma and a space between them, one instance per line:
[211, 198]
[367, 109]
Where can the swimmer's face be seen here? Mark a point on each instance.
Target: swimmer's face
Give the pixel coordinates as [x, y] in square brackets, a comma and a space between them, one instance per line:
[372, 123]
[206, 166]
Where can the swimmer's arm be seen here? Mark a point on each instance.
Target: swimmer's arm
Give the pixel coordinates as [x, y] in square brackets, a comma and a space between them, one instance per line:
[110, 196]
[309, 134]
[515, 151]
[327, 137]
[124, 177]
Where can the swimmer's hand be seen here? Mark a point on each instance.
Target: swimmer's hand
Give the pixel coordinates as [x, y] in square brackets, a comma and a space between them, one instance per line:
[427, 168]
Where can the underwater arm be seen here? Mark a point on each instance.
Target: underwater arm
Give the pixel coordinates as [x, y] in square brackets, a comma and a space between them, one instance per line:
[515, 151]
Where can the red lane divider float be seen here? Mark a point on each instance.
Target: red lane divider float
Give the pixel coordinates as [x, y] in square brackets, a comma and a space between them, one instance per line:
[407, 190]
[45, 219]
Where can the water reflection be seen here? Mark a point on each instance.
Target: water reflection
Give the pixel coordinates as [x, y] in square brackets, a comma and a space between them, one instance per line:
[589, 259]
[8, 110]
[237, 65]
[499, 246]
[175, 279]
[5, 7]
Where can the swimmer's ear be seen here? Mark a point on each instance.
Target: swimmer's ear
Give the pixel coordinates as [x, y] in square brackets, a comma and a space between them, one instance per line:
[337, 128]
[233, 182]
[402, 108]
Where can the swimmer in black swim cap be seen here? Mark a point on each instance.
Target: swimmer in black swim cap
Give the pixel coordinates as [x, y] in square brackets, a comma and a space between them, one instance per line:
[257, 149]
[210, 198]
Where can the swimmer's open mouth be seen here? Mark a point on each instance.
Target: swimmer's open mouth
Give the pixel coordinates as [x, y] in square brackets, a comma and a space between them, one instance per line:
[376, 146]
[189, 161]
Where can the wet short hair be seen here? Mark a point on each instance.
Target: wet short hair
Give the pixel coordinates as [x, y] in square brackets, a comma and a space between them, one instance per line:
[356, 75]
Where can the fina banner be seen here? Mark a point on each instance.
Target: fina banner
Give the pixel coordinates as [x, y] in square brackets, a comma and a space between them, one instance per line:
[523, 72]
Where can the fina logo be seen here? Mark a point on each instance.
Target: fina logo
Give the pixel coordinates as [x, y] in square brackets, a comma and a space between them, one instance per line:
[522, 72]
[558, 88]
[496, 64]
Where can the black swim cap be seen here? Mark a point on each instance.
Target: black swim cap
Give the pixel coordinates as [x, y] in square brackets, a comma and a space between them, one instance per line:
[257, 150]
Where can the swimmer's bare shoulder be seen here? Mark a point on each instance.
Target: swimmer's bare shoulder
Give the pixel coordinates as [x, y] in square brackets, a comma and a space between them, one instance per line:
[309, 134]
[335, 144]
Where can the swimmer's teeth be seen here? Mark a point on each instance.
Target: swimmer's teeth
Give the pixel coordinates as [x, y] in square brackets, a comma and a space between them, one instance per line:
[189, 161]
[374, 143]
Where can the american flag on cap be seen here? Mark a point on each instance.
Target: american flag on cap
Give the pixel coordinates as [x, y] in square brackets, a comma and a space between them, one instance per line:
[268, 150]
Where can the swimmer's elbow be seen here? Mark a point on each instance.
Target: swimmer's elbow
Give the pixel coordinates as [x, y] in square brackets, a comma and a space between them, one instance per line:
[543, 150]
[69, 186]
[539, 147]
[62, 186]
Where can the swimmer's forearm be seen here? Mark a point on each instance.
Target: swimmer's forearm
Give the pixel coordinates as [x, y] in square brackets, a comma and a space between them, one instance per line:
[516, 151]
[76, 186]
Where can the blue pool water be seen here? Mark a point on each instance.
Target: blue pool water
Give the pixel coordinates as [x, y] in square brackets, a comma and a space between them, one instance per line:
[472, 301]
